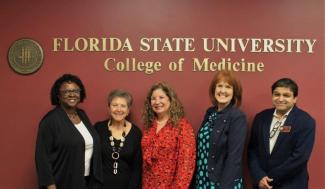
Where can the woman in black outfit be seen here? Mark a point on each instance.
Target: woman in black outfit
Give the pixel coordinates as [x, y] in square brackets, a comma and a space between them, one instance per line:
[120, 139]
[67, 148]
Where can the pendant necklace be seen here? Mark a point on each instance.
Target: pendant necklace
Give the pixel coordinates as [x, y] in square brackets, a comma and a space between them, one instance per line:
[71, 114]
[116, 148]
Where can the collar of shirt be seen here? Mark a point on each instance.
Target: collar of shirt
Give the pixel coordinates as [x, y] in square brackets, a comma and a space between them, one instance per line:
[275, 115]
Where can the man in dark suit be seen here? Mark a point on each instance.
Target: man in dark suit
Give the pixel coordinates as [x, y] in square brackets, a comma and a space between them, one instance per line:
[281, 141]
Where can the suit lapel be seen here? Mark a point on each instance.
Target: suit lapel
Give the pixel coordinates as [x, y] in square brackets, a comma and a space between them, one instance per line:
[266, 131]
[289, 122]
[219, 123]
[217, 129]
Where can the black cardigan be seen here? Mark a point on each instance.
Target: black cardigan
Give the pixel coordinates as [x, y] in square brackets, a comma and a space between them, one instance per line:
[60, 152]
[130, 160]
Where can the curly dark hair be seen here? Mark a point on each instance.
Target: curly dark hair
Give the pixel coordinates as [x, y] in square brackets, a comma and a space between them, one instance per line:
[176, 109]
[55, 90]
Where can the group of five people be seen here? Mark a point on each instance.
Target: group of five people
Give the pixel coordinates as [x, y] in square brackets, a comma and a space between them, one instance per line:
[71, 154]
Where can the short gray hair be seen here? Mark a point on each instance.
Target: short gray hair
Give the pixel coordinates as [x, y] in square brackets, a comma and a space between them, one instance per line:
[122, 94]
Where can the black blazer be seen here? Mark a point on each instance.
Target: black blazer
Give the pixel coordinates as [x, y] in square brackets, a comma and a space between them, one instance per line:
[227, 142]
[287, 164]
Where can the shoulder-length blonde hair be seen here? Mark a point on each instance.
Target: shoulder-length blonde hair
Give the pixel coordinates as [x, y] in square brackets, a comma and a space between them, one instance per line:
[230, 78]
[176, 110]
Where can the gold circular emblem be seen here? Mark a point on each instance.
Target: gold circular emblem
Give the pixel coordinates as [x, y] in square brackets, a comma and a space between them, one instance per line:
[25, 56]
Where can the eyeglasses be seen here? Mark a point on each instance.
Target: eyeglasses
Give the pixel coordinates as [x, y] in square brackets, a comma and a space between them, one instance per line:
[70, 92]
[275, 128]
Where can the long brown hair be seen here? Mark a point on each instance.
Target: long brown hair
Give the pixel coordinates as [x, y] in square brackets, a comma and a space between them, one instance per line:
[176, 110]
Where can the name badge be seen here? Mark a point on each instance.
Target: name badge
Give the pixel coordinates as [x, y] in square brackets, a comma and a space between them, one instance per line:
[285, 129]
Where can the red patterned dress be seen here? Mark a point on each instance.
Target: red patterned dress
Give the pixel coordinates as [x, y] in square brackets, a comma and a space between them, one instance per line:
[168, 156]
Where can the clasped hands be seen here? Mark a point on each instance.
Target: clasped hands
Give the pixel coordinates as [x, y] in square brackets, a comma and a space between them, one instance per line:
[264, 183]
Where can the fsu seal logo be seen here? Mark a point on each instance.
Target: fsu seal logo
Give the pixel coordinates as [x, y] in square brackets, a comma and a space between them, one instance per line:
[25, 56]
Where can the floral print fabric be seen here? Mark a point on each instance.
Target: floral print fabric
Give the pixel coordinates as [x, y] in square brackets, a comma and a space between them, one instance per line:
[168, 156]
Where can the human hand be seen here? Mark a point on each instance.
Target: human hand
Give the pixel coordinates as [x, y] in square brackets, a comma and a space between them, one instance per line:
[264, 183]
[51, 186]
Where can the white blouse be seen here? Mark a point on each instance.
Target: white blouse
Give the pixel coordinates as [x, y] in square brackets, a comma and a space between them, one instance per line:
[89, 145]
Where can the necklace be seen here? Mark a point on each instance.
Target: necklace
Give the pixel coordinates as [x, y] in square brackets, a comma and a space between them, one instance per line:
[162, 122]
[116, 148]
[72, 115]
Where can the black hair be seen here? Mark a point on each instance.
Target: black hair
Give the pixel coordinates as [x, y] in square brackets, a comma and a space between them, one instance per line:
[55, 90]
[287, 83]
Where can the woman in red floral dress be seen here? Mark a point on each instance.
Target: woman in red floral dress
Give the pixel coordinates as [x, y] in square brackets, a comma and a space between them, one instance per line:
[168, 143]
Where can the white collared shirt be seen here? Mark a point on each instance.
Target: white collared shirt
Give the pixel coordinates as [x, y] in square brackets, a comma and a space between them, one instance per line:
[280, 123]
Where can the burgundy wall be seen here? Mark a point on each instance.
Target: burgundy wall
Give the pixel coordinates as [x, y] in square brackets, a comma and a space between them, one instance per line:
[25, 99]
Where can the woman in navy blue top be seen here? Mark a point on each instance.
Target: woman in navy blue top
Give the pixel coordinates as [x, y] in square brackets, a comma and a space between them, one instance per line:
[221, 137]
